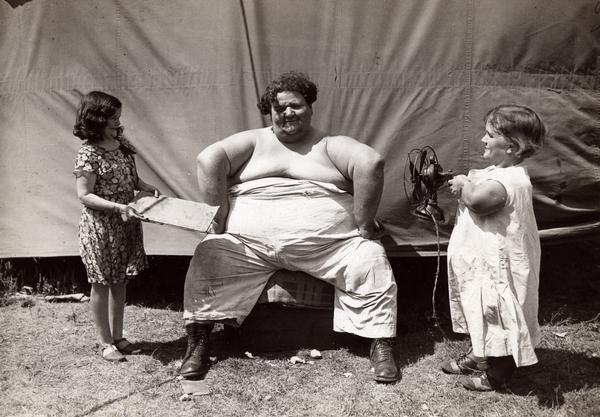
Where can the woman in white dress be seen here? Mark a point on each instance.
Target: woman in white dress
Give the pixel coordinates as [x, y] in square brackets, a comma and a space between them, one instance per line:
[494, 254]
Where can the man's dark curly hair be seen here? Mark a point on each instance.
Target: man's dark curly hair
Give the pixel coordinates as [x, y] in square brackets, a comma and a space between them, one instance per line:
[288, 81]
[93, 113]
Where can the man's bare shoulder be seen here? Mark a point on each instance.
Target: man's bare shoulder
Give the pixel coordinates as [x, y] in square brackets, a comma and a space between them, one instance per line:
[339, 139]
[251, 135]
[236, 148]
[344, 144]
[346, 152]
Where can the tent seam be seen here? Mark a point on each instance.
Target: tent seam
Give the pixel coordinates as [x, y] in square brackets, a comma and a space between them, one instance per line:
[468, 85]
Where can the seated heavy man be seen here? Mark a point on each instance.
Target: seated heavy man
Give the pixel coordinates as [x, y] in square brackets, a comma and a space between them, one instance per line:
[291, 197]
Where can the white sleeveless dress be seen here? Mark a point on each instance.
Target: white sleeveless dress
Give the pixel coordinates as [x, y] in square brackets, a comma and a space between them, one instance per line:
[493, 271]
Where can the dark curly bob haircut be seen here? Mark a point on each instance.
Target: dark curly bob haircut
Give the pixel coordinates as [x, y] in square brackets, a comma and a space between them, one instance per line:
[288, 81]
[520, 125]
[93, 113]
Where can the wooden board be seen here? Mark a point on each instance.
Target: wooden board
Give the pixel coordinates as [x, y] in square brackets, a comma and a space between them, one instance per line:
[195, 387]
[185, 214]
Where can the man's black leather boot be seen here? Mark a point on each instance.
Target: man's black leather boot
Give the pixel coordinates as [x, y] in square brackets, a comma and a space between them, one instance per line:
[196, 359]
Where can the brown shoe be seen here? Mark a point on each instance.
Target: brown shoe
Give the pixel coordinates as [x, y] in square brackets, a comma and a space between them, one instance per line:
[382, 360]
[465, 365]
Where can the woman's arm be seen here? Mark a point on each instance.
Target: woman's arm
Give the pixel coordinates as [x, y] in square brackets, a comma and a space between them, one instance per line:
[85, 193]
[484, 198]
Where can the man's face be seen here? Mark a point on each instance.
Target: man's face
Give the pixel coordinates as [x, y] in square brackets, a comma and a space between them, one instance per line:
[291, 116]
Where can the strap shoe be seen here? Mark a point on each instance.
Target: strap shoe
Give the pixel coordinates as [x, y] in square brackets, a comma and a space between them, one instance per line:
[465, 365]
[476, 383]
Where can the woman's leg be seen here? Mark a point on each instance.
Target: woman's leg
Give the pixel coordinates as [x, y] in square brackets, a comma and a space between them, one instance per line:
[99, 302]
[498, 373]
[116, 308]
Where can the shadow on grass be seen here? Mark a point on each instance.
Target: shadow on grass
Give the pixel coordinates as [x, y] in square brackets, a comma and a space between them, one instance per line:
[165, 352]
[569, 284]
[275, 331]
[557, 373]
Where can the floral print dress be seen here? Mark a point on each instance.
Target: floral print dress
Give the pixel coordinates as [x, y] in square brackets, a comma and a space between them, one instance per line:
[111, 250]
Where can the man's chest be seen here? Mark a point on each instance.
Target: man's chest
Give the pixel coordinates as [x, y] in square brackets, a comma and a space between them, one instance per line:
[277, 162]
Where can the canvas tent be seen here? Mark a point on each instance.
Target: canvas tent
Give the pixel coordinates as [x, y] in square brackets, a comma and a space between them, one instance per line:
[396, 74]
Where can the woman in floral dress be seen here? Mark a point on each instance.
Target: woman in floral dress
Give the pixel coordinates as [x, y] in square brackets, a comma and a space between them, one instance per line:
[110, 233]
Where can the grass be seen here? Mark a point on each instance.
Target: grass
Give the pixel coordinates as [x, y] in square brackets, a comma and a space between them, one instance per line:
[51, 366]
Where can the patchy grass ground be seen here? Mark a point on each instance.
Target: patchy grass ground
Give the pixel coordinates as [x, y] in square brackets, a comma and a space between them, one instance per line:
[50, 363]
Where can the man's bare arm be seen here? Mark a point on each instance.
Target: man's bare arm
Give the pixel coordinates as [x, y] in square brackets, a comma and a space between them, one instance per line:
[362, 165]
[214, 166]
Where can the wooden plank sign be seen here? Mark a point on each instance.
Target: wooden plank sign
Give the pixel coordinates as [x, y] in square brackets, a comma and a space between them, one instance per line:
[185, 214]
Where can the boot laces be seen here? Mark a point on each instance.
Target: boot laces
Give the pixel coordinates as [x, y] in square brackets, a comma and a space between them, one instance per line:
[201, 346]
[382, 351]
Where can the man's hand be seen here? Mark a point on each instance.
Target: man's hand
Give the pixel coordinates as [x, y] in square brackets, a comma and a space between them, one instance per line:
[216, 226]
[372, 231]
[148, 188]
